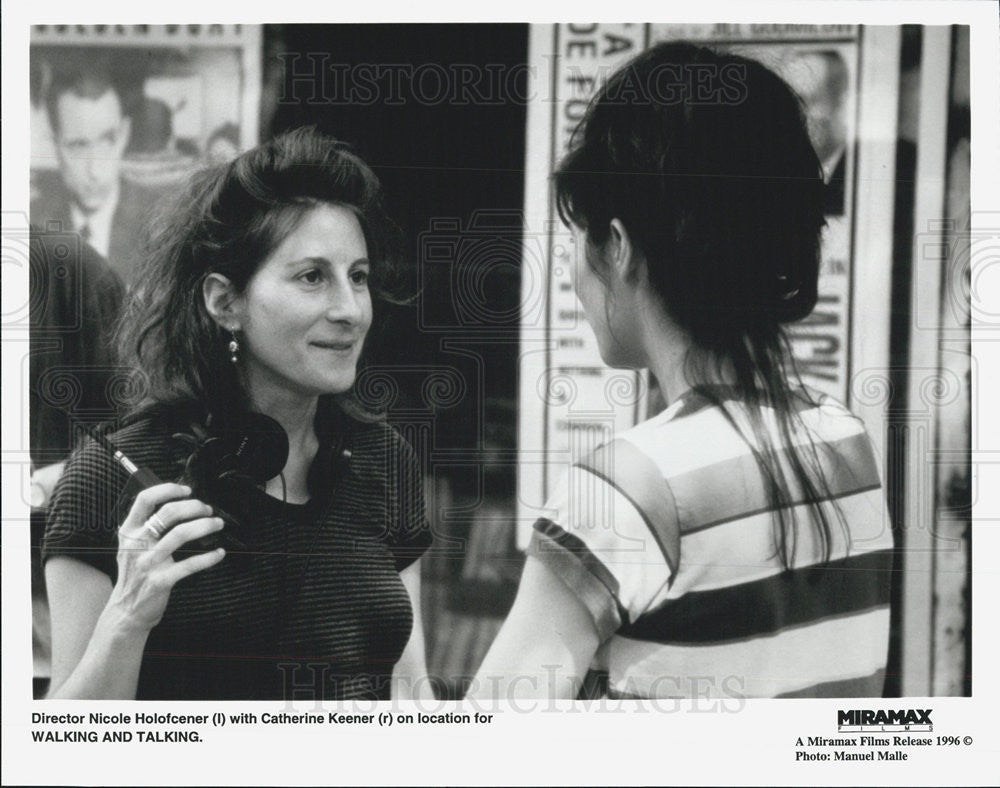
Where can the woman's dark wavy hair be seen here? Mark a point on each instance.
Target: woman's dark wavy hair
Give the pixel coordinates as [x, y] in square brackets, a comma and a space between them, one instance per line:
[722, 192]
[228, 220]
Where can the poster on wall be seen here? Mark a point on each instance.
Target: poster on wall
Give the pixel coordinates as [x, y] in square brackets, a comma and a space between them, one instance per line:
[121, 113]
[821, 63]
[570, 401]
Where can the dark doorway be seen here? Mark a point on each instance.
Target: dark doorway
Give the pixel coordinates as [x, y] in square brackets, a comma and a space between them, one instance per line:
[439, 111]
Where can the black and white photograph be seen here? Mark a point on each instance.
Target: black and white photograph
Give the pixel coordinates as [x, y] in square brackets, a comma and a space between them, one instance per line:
[471, 388]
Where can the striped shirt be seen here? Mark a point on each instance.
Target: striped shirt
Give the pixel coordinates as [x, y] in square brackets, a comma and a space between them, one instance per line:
[667, 537]
[314, 608]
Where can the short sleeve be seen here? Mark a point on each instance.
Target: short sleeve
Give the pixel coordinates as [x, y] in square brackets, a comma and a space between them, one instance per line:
[409, 533]
[83, 518]
[611, 535]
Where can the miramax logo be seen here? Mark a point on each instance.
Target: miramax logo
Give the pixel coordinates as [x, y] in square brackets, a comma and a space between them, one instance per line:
[884, 720]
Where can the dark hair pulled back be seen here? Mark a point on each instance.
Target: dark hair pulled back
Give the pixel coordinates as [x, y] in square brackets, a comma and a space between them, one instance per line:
[706, 160]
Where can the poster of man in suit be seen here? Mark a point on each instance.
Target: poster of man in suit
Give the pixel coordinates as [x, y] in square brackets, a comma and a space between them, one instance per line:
[87, 194]
[120, 114]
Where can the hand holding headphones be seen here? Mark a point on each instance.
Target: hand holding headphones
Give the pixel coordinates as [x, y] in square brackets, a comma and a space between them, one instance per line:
[162, 520]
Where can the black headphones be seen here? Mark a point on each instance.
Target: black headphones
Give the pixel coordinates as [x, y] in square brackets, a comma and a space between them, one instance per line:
[255, 449]
[221, 466]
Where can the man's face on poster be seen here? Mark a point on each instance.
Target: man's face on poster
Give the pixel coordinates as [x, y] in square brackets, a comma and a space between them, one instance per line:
[91, 137]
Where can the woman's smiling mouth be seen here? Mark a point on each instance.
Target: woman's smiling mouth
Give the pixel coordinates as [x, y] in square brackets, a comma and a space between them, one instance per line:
[342, 346]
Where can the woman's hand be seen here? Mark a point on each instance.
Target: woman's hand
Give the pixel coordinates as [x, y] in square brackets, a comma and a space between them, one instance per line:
[99, 632]
[147, 570]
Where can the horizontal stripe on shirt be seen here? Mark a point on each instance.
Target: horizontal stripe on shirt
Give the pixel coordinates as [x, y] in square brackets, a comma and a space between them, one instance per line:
[792, 660]
[682, 445]
[766, 606]
[871, 686]
[744, 550]
[735, 488]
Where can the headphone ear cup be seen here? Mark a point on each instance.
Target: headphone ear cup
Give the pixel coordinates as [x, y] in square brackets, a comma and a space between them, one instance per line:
[260, 448]
[207, 462]
[255, 448]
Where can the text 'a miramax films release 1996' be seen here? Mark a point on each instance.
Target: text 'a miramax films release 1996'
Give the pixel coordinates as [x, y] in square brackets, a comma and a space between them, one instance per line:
[884, 735]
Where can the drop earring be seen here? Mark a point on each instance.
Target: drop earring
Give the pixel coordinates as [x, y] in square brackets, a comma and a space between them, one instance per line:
[234, 348]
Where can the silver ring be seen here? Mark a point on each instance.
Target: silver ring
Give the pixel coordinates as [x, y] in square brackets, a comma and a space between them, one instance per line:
[156, 529]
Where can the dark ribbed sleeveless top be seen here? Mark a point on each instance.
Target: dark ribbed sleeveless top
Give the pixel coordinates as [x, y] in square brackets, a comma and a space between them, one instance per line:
[314, 608]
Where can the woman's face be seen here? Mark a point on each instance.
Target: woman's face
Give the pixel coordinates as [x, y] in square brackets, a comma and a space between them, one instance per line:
[305, 312]
[590, 289]
[608, 313]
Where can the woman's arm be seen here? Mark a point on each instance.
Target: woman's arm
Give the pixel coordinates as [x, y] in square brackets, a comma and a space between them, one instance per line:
[43, 483]
[87, 643]
[409, 676]
[545, 646]
[99, 631]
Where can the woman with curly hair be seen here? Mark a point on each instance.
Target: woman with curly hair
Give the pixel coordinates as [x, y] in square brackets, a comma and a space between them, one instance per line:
[255, 301]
